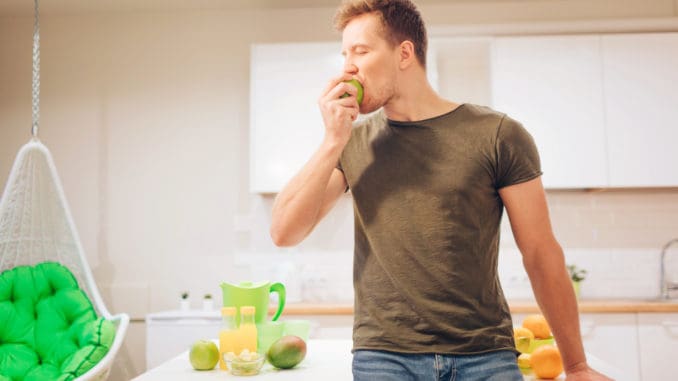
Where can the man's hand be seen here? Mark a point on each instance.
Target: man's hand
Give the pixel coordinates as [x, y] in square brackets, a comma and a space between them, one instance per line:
[584, 373]
[338, 113]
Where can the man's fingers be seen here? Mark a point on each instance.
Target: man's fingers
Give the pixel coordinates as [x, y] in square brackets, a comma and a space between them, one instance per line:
[351, 101]
[339, 90]
[354, 114]
[335, 81]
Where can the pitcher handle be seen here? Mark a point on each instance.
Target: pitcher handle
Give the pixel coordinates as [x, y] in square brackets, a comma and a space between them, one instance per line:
[280, 289]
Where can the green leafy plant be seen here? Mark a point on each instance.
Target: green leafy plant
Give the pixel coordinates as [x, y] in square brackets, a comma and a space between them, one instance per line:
[576, 274]
[184, 295]
[207, 296]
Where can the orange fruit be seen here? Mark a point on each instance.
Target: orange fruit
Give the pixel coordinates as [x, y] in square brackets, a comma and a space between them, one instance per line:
[538, 325]
[546, 362]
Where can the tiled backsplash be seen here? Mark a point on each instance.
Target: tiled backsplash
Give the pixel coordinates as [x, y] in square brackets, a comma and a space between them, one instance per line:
[313, 277]
[611, 273]
[614, 218]
[616, 235]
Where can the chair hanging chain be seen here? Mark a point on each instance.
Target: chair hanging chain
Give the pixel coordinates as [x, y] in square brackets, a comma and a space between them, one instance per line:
[36, 72]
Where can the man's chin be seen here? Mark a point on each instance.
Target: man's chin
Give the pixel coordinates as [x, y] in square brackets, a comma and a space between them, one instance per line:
[367, 109]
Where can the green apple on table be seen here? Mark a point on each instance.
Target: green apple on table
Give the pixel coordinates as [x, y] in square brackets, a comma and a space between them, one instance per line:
[204, 355]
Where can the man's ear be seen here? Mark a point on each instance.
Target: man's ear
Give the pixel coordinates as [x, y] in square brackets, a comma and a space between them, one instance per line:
[407, 54]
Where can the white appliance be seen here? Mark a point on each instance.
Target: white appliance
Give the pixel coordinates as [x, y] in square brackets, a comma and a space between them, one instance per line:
[169, 333]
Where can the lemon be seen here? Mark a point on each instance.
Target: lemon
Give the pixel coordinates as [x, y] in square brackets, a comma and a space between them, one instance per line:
[523, 338]
[523, 344]
[524, 361]
[524, 364]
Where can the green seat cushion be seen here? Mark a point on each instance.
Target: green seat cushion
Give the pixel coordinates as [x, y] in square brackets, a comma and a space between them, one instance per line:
[48, 327]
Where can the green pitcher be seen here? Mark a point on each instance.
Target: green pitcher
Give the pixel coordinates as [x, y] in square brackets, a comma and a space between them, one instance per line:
[253, 294]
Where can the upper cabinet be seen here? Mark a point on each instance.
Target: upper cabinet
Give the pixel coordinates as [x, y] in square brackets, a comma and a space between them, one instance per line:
[553, 86]
[286, 127]
[602, 108]
[641, 108]
[460, 68]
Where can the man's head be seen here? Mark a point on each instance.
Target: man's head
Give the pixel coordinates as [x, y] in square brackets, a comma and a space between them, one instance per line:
[400, 21]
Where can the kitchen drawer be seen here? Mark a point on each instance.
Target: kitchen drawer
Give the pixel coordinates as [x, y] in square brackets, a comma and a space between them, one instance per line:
[613, 338]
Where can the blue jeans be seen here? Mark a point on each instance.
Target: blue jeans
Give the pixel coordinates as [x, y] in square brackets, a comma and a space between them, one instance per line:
[370, 365]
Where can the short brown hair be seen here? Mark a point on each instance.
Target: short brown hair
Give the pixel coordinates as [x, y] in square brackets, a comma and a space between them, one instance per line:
[400, 18]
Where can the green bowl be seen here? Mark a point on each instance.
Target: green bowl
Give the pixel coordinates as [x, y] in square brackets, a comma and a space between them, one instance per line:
[536, 343]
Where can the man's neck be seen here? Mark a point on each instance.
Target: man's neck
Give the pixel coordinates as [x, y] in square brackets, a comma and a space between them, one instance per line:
[418, 101]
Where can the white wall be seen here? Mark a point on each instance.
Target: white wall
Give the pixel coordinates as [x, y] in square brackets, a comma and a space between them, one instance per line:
[146, 115]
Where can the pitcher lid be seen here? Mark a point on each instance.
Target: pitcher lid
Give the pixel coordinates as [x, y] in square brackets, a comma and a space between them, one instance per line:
[248, 284]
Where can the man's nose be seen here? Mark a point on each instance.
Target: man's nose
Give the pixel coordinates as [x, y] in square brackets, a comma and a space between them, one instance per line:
[350, 68]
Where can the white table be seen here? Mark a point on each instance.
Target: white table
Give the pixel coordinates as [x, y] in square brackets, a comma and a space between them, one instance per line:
[326, 360]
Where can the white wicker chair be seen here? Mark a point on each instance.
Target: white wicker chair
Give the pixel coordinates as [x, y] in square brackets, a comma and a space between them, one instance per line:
[36, 226]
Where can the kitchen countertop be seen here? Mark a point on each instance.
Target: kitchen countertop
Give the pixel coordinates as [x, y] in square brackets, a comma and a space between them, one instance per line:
[516, 306]
[327, 360]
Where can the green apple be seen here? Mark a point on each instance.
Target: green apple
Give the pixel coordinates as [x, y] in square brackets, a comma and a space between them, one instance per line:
[204, 355]
[357, 85]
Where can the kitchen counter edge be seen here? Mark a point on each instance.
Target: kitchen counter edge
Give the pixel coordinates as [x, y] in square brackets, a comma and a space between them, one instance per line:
[516, 307]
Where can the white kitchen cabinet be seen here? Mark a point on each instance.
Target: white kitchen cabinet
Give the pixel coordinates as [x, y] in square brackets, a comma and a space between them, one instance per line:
[286, 127]
[460, 68]
[169, 333]
[641, 108]
[553, 85]
[658, 339]
[613, 338]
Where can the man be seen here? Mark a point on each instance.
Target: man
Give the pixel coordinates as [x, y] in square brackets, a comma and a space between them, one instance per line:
[429, 180]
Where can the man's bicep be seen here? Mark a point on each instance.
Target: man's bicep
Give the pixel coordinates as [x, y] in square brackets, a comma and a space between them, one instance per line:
[528, 213]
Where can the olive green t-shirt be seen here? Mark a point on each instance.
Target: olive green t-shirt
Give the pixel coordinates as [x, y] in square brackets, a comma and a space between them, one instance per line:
[427, 215]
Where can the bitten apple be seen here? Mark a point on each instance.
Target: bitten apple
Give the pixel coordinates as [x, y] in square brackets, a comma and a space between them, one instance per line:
[357, 85]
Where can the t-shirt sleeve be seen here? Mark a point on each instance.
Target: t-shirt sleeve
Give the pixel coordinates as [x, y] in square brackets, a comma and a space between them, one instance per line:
[517, 155]
[339, 166]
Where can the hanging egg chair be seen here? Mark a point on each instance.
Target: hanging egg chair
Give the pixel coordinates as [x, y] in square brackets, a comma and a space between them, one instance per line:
[54, 324]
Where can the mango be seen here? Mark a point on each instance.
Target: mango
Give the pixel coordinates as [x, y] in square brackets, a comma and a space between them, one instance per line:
[287, 352]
